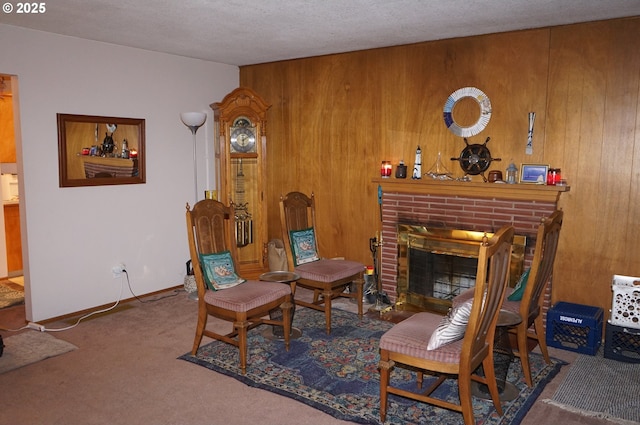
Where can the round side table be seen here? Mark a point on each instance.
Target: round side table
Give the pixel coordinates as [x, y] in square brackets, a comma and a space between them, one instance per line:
[282, 277]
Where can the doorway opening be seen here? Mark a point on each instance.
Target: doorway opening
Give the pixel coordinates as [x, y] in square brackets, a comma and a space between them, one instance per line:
[11, 255]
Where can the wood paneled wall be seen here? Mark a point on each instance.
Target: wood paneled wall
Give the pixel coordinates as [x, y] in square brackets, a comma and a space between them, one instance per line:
[334, 118]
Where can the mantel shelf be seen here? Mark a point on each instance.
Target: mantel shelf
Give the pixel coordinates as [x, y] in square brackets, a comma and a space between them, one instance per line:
[519, 192]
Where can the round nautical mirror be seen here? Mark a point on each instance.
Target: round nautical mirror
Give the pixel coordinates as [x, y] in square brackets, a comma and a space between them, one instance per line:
[462, 108]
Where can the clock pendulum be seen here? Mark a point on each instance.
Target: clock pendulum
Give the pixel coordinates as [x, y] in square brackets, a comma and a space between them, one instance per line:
[244, 222]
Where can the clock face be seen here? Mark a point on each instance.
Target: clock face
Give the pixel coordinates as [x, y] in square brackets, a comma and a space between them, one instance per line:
[243, 137]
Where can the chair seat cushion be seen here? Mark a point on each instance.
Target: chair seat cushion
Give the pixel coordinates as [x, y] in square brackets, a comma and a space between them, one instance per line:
[412, 335]
[329, 270]
[249, 295]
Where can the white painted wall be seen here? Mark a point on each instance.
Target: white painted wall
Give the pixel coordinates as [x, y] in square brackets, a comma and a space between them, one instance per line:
[73, 236]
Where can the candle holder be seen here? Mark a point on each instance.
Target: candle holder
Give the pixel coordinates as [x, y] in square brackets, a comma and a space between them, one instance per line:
[385, 169]
[401, 171]
[554, 176]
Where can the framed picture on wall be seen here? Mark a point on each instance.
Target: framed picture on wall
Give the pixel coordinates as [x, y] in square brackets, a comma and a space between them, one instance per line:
[95, 151]
[534, 173]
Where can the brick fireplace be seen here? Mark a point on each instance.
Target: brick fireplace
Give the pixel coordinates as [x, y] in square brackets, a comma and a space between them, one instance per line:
[481, 207]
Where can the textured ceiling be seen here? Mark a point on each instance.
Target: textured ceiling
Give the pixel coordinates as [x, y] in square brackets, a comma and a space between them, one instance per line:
[243, 32]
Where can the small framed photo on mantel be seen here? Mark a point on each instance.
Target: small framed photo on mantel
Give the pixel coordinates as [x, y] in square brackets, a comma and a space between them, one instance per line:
[534, 173]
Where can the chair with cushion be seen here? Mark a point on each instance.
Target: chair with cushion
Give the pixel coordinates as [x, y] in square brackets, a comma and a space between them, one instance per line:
[456, 344]
[221, 292]
[527, 298]
[328, 278]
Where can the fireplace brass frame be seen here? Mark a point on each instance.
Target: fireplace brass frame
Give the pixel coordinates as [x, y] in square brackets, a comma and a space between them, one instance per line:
[463, 243]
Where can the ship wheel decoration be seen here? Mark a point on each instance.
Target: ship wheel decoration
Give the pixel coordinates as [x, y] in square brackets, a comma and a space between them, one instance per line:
[475, 159]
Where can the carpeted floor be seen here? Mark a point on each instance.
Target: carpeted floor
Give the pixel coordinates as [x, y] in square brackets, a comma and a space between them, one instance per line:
[338, 374]
[599, 387]
[10, 293]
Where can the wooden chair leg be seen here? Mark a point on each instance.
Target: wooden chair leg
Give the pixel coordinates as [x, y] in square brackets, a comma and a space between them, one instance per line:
[464, 389]
[541, 337]
[385, 371]
[523, 353]
[202, 324]
[490, 378]
[360, 294]
[241, 328]
[327, 294]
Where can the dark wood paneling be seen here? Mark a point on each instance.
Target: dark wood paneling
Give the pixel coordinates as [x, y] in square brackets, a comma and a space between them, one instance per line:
[335, 117]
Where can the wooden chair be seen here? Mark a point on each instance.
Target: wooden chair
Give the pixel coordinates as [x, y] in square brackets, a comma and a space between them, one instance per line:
[532, 327]
[328, 278]
[407, 342]
[210, 228]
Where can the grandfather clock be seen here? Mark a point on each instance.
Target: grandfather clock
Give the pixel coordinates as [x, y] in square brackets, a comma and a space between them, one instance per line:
[240, 127]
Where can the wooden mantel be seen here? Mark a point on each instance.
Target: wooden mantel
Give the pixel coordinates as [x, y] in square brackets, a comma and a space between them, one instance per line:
[520, 192]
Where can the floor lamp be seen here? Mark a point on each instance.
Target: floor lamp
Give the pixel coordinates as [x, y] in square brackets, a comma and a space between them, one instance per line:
[194, 121]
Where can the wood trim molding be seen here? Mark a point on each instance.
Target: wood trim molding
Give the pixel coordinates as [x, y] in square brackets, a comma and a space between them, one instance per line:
[520, 192]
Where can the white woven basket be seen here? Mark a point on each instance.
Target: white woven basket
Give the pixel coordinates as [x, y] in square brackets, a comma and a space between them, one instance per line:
[625, 309]
[190, 283]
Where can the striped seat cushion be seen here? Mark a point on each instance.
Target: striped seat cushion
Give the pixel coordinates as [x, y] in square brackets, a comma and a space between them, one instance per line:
[412, 335]
[329, 270]
[247, 295]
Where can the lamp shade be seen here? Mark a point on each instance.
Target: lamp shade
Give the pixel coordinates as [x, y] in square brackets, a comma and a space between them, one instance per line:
[193, 119]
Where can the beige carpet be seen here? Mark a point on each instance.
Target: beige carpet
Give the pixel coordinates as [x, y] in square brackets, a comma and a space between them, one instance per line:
[31, 347]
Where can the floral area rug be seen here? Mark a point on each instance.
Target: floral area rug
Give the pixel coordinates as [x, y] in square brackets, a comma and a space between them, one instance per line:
[338, 373]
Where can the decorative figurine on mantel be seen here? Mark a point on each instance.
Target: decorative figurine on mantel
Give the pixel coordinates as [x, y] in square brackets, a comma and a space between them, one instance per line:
[417, 166]
[512, 174]
[438, 171]
[401, 170]
[108, 145]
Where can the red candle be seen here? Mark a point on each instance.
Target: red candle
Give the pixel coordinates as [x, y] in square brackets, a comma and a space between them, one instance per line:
[553, 176]
[385, 169]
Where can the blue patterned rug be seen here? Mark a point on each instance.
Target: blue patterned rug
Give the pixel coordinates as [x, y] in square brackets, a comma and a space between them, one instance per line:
[338, 374]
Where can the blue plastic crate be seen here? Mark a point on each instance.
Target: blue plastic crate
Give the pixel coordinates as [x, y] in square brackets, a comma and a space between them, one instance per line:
[575, 327]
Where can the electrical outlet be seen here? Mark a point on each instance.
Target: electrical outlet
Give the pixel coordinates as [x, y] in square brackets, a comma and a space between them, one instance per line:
[117, 270]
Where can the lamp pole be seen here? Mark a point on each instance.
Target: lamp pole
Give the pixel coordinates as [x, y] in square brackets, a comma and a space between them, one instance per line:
[194, 120]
